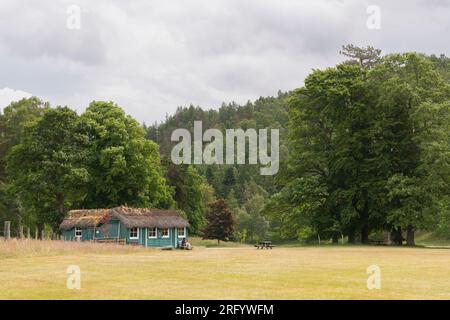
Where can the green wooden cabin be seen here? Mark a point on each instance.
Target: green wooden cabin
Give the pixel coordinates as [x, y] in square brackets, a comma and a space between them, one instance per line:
[145, 227]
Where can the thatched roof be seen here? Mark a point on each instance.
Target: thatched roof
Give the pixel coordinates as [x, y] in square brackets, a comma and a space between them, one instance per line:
[142, 218]
[130, 217]
[85, 218]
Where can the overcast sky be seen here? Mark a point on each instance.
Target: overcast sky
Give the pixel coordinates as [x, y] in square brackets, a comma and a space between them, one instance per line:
[152, 56]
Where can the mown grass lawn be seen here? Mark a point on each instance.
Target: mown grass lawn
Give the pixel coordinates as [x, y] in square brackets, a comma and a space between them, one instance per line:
[37, 270]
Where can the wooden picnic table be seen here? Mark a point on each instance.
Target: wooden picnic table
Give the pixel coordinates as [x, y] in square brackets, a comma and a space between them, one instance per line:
[264, 245]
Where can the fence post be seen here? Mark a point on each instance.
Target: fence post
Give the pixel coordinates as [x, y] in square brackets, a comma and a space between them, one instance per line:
[7, 230]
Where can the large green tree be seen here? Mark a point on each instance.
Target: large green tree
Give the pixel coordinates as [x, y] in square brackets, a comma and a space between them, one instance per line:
[367, 149]
[124, 167]
[46, 167]
[12, 123]
[331, 153]
[412, 127]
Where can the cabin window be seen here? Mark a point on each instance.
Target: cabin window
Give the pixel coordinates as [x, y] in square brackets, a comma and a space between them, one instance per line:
[78, 232]
[152, 232]
[134, 233]
[181, 232]
[165, 232]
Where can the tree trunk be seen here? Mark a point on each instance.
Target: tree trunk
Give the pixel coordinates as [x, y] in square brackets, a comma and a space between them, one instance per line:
[396, 236]
[60, 205]
[60, 209]
[40, 227]
[393, 237]
[7, 232]
[410, 236]
[365, 221]
[335, 239]
[365, 234]
[399, 236]
[351, 236]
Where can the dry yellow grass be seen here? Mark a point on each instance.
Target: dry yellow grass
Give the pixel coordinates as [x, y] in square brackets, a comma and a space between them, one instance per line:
[37, 270]
[31, 248]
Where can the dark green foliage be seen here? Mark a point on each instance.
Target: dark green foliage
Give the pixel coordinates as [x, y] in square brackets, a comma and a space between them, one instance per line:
[365, 145]
[46, 167]
[189, 188]
[249, 218]
[100, 159]
[442, 64]
[13, 120]
[220, 225]
[365, 57]
[270, 112]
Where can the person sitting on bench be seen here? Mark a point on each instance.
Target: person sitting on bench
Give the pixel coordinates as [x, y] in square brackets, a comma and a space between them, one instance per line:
[186, 245]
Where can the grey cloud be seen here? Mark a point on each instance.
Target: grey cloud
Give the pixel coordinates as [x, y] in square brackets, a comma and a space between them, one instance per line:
[152, 56]
[33, 30]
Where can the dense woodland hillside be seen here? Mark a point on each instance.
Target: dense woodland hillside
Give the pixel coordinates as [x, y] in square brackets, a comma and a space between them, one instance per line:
[244, 189]
[363, 149]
